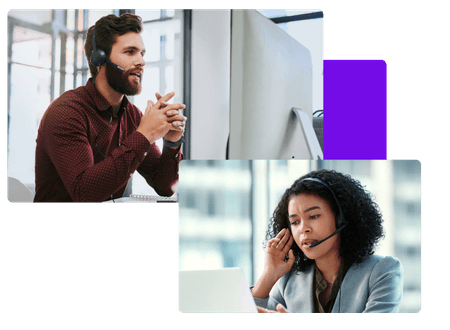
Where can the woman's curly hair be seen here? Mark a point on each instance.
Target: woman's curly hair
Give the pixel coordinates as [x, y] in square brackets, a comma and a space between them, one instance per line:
[364, 221]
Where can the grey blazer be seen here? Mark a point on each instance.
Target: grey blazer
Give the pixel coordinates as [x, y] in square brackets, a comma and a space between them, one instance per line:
[373, 286]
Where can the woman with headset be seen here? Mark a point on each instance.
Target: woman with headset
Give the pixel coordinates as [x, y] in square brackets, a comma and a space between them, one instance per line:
[319, 251]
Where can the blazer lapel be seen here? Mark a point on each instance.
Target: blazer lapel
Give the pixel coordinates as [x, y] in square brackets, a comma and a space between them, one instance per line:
[301, 292]
[341, 304]
[352, 295]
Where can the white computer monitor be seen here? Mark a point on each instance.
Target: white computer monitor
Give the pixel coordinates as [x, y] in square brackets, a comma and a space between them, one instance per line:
[270, 92]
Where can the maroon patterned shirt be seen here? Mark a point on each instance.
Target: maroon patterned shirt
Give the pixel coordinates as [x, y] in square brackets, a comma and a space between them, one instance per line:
[73, 135]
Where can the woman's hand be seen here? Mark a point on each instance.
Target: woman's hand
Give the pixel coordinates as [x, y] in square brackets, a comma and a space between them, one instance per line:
[280, 309]
[275, 265]
[276, 251]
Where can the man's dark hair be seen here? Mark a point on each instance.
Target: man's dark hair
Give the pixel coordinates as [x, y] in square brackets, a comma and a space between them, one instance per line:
[107, 29]
[364, 228]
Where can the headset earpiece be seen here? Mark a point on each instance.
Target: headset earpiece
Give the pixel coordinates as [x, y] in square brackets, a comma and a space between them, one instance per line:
[98, 56]
[340, 220]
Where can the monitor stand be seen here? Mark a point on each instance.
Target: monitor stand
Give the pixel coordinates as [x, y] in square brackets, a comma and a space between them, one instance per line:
[308, 130]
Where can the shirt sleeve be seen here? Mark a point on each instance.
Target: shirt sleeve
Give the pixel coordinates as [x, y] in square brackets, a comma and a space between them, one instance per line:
[275, 297]
[160, 170]
[386, 287]
[69, 148]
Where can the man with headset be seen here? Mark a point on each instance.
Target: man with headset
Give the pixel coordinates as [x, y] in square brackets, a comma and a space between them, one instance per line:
[92, 139]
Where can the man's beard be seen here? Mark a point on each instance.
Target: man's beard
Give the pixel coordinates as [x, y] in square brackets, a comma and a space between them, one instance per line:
[120, 82]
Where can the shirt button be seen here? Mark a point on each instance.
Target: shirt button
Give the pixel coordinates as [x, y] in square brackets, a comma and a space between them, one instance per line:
[145, 154]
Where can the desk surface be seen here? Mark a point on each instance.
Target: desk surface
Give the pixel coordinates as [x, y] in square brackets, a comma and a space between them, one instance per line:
[144, 199]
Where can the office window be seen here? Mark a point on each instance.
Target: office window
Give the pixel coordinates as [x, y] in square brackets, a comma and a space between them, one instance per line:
[216, 231]
[407, 211]
[163, 39]
[46, 58]
[45, 51]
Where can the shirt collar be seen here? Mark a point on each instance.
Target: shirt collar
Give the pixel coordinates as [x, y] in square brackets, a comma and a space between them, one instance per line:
[321, 284]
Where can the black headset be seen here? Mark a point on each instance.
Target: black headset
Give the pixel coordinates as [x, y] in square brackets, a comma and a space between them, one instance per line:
[98, 56]
[340, 220]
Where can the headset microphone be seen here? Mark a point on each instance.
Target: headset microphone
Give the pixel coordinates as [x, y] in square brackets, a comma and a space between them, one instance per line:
[113, 64]
[98, 56]
[337, 231]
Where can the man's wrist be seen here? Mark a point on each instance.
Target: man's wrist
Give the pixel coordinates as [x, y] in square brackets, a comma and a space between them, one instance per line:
[149, 138]
[173, 144]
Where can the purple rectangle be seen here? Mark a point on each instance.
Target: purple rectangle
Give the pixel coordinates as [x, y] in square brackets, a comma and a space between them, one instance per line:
[354, 103]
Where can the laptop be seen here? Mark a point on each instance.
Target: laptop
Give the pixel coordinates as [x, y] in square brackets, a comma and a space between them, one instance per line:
[215, 291]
